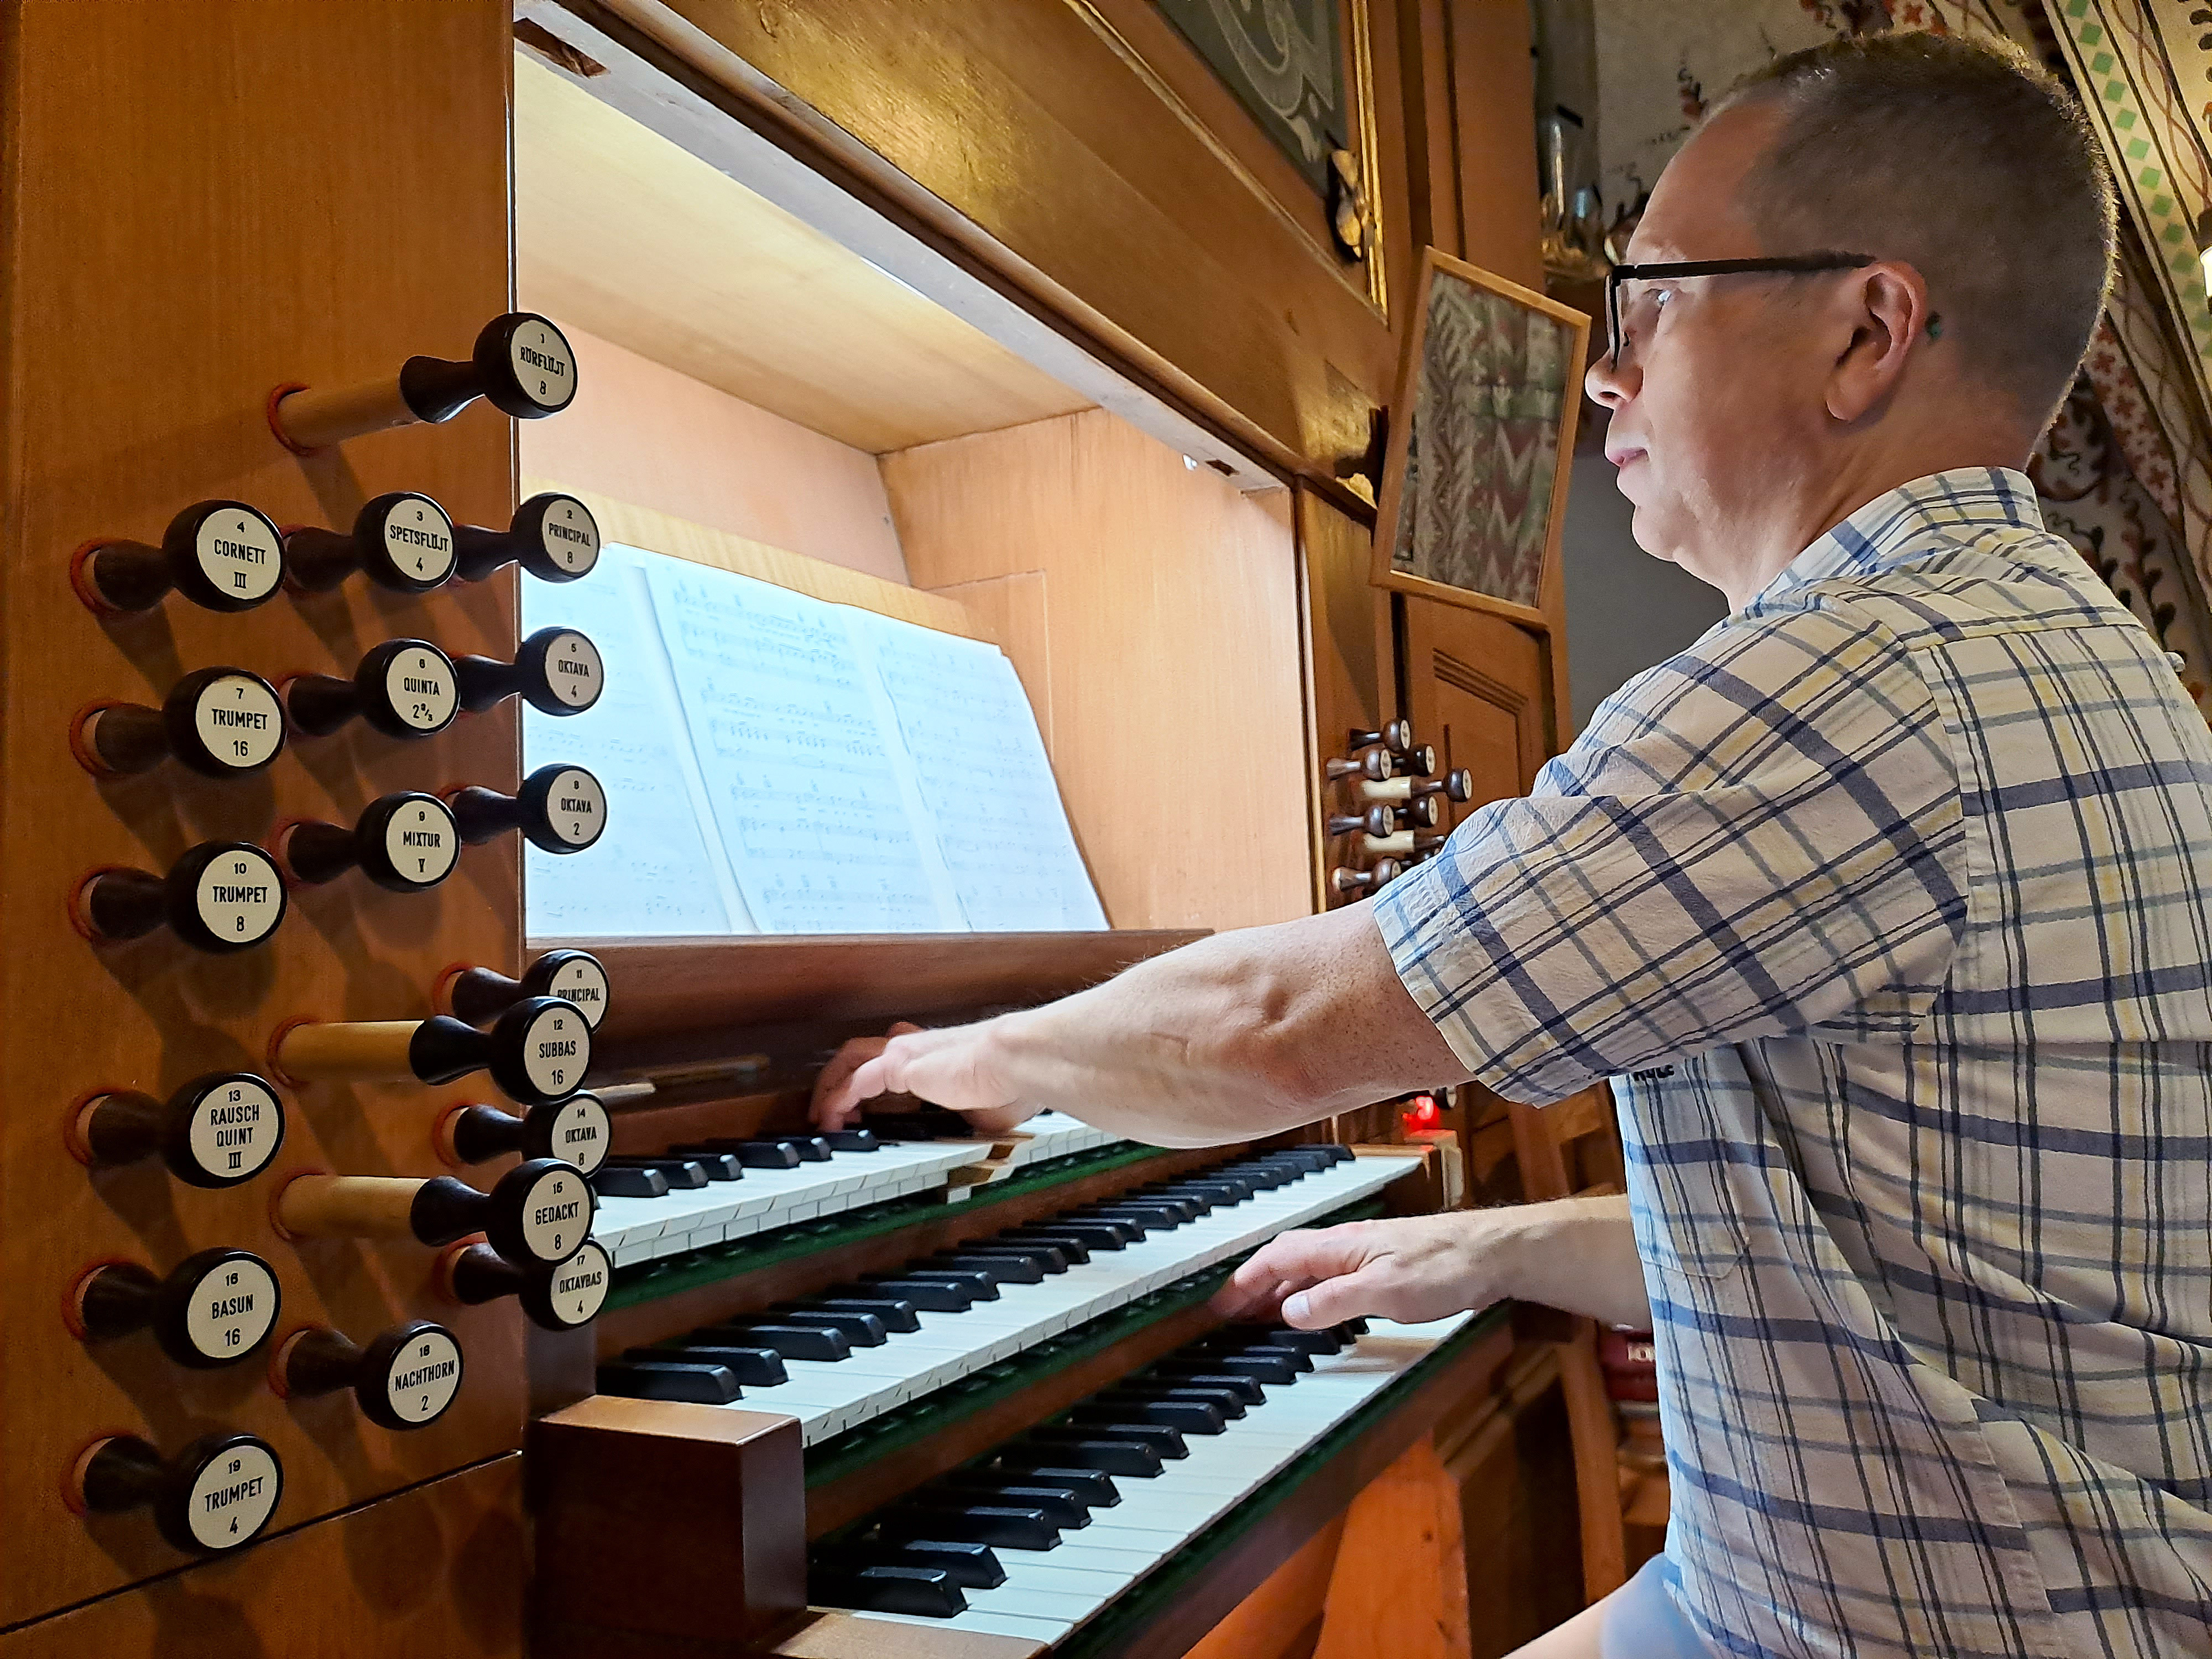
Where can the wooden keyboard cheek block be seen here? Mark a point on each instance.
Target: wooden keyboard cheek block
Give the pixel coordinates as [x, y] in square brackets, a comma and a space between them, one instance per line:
[658, 1520]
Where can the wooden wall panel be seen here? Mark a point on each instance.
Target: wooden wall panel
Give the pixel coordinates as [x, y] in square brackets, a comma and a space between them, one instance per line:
[1035, 140]
[1178, 732]
[638, 432]
[433, 1573]
[1494, 96]
[1350, 678]
[193, 215]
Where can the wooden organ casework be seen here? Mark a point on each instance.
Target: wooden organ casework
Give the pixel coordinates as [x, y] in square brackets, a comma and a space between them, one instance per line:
[415, 1240]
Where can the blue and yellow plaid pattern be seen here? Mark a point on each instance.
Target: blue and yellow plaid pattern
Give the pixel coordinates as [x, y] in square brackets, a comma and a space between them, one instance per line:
[1888, 906]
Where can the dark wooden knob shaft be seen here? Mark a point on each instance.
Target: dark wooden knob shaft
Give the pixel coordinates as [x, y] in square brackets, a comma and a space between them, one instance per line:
[404, 1378]
[1418, 761]
[220, 722]
[406, 842]
[521, 364]
[1375, 765]
[537, 1050]
[1373, 879]
[404, 689]
[214, 1308]
[558, 672]
[553, 537]
[559, 809]
[576, 1130]
[402, 540]
[222, 895]
[479, 996]
[563, 1297]
[217, 1131]
[1455, 785]
[1396, 736]
[219, 555]
[215, 1495]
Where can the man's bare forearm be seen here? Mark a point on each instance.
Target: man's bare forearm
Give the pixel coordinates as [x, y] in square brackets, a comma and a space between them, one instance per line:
[1232, 1037]
[1578, 1255]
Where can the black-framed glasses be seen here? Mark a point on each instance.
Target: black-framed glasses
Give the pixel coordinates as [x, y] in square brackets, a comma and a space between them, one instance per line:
[1788, 263]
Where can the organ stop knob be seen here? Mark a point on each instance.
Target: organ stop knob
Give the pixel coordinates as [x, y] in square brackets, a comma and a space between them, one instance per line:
[1396, 736]
[221, 896]
[521, 365]
[404, 1378]
[563, 1297]
[1371, 880]
[404, 689]
[220, 555]
[1457, 784]
[404, 842]
[403, 540]
[480, 996]
[213, 1309]
[558, 672]
[1418, 761]
[216, 1131]
[220, 722]
[537, 1051]
[215, 1495]
[559, 809]
[576, 1130]
[1374, 765]
[538, 1212]
[553, 537]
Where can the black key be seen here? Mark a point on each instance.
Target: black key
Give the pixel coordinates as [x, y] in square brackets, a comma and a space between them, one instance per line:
[1099, 1232]
[766, 1154]
[1297, 1359]
[1003, 1269]
[980, 1286]
[1260, 1367]
[614, 1181]
[1200, 1375]
[906, 1125]
[852, 1140]
[1187, 1416]
[1115, 1426]
[812, 1149]
[930, 1295]
[1139, 1223]
[1097, 1490]
[972, 1565]
[1229, 1404]
[720, 1165]
[1049, 1258]
[1151, 1198]
[681, 1174]
[1076, 1244]
[755, 1367]
[1320, 1341]
[1105, 1452]
[696, 1381]
[1223, 1192]
[928, 1592]
[1190, 1198]
[1352, 1327]
[862, 1330]
[1061, 1505]
[791, 1341]
[1336, 1152]
[1008, 1528]
[1266, 1177]
[896, 1312]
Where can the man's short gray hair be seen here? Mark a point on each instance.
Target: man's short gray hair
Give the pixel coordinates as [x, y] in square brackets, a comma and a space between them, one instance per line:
[1964, 159]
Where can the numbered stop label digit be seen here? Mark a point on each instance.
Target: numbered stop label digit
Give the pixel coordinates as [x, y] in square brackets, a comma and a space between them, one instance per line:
[578, 1288]
[556, 1215]
[239, 555]
[582, 984]
[545, 366]
[556, 1049]
[234, 1128]
[576, 807]
[421, 843]
[418, 539]
[582, 1133]
[240, 898]
[239, 722]
[569, 536]
[418, 686]
[572, 669]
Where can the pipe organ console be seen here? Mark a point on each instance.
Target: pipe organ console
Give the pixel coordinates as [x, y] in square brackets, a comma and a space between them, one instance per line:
[354, 1217]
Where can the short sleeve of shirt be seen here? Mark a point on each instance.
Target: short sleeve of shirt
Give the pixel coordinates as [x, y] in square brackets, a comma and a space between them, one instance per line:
[1760, 837]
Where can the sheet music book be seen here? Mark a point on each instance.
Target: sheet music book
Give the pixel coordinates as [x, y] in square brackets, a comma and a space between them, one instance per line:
[653, 872]
[778, 763]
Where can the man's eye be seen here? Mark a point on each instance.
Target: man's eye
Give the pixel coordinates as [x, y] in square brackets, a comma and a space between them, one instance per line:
[1659, 296]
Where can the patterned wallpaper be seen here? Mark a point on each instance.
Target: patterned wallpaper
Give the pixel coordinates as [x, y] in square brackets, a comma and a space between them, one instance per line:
[2126, 473]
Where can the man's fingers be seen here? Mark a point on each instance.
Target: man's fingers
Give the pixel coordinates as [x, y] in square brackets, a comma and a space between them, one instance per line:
[1352, 1296]
[1286, 1264]
[835, 1098]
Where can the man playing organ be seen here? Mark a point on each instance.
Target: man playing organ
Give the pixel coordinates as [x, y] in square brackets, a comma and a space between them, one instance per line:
[1882, 906]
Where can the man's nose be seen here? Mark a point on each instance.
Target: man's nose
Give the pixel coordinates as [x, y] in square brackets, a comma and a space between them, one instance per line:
[1611, 382]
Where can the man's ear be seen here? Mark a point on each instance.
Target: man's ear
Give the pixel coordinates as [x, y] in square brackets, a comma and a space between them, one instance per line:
[1888, 314]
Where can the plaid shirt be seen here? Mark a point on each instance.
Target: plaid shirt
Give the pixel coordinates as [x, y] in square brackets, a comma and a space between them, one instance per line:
[1889, 898]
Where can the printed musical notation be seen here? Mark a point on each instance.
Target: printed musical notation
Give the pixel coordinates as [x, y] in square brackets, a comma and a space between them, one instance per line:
[813, 797]
[777, 764]
[985, 780]
[652, 873]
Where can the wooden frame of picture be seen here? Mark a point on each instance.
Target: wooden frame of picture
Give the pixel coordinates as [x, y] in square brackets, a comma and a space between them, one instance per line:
[1532, 380]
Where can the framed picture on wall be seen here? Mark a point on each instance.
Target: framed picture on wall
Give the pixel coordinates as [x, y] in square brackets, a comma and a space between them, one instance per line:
[1482, 433]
